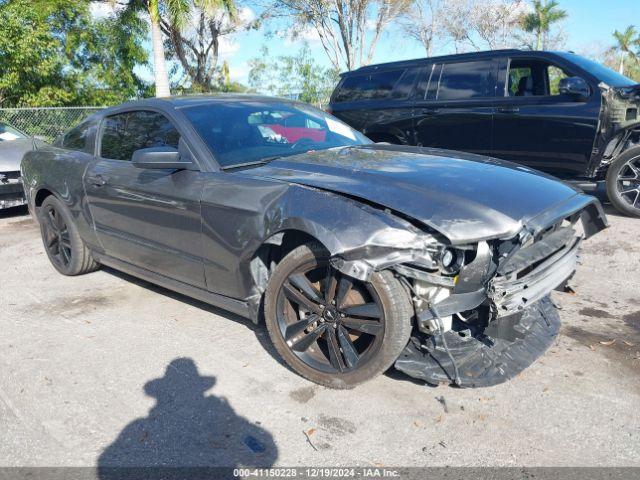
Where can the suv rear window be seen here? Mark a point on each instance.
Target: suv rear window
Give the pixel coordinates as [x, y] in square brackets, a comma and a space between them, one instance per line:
[465, 80]
[367, 86]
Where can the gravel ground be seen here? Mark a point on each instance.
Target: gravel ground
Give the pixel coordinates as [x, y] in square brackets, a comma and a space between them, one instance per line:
[105, 369]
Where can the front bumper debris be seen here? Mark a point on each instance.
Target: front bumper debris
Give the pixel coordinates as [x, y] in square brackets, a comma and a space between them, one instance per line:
[11, 190]
[505, 348]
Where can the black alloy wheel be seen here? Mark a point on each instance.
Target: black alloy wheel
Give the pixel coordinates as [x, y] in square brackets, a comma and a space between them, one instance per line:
[623, 182]
[331, 322]
[62, 242]
[57, 240]
[628, 182]
[331, 328]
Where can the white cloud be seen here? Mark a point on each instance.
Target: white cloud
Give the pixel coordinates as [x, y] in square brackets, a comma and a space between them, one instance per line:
[239, 72]
[227, 46]
[99, 10]
[309, 35]
[246, 15]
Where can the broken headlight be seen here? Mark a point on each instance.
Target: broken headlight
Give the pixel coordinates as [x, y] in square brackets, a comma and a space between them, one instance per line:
[451, 260]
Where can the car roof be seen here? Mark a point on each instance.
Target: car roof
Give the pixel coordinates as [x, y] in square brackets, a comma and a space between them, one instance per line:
[444, 58]
[184, 101]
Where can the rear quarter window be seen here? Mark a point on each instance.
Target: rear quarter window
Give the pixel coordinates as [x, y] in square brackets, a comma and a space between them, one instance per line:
[80, 138]
[368, 86]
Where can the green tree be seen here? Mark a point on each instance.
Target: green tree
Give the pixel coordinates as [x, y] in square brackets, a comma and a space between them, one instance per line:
[190, 32]
[298, 76]
[52, 52]
[545, 14]
[625, 41]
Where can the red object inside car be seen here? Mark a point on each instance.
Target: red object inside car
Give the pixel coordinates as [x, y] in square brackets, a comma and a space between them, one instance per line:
[293, 134]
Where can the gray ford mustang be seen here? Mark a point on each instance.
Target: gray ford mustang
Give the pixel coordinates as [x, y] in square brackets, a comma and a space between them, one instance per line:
[358, 256]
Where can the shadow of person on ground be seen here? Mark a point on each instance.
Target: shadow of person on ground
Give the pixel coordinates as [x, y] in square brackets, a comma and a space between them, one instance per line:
[185, 430]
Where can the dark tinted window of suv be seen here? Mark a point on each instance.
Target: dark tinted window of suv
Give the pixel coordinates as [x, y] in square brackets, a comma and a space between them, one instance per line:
[465, 80]
[124, 133]
[404, 86]
[367, 86]
[79, 138]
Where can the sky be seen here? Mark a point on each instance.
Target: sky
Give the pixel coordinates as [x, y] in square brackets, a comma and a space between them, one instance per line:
[588, 28]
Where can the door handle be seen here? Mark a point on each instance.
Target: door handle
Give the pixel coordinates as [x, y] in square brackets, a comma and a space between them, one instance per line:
[97, 181]
[508, 109]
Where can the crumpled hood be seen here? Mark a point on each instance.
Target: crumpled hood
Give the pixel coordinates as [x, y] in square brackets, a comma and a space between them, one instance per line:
[463, 196]
[11, 153]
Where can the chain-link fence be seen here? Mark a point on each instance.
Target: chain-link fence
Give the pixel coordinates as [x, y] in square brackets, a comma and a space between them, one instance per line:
[45, 122]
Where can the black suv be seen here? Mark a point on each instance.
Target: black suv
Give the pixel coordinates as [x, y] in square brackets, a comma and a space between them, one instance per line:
[553, 111]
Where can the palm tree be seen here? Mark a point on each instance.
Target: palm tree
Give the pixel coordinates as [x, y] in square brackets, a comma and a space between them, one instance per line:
[624, 42]
[539, 21]
[169, 17]
[159, 65]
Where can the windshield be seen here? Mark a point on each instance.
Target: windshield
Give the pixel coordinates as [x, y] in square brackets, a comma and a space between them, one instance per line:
[8, 133]
[602, 73]
[241, 132]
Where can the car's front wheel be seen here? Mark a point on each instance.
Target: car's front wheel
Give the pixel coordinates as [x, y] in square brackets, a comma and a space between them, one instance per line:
[62, 242]
[623, 182]
[333, 329]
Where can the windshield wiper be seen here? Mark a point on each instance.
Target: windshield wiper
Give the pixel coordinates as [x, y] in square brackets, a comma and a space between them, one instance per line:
[262, 161]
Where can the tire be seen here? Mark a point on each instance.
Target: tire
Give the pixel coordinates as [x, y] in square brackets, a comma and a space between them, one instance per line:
[623, 182]
[357, 336]
[66, 250]
[386, 138]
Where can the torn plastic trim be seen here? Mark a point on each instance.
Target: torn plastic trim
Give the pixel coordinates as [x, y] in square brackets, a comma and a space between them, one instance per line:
[455, 303]
[501, 353]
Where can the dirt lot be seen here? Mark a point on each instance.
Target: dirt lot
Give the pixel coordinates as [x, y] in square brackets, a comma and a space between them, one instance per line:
[104, 369]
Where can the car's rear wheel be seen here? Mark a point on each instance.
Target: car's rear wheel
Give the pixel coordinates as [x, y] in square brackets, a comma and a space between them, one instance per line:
[623, 182]
[65, 249]
[333, 329]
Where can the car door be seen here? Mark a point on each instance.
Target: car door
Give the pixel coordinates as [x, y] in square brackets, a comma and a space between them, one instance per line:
[147, 217]
[537, 126]
[453, 107]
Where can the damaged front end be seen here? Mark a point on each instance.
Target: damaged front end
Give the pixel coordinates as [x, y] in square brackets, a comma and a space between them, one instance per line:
[482, 310]
[619, 127]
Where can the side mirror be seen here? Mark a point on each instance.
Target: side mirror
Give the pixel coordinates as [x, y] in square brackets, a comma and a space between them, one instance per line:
[574, 87]
[159, 158]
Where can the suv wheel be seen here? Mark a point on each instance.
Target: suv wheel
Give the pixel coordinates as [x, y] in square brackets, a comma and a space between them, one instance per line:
[623, 182]
[330, 328]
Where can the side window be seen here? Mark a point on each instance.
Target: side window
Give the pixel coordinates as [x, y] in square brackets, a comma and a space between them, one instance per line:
[555, 74]
[515, 76]
[404, 86]
[352, 88]
[124, 133]
[381, 84]
[465, 80]
[534, 78]
[367, 86]
[79, 138]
